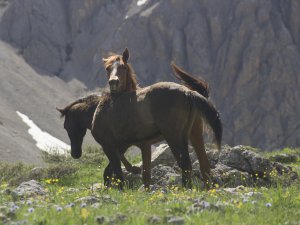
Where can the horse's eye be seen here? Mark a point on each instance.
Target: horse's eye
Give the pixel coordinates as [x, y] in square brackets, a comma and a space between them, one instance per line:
[107, 69]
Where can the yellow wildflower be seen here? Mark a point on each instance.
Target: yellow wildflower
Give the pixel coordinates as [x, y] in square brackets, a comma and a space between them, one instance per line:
[84, 213]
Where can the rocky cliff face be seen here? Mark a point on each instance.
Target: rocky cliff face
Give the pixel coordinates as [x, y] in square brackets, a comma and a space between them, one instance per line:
[249, 52]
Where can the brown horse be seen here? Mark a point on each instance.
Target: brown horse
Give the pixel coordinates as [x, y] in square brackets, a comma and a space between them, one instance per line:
[130, 116]
[79, 114]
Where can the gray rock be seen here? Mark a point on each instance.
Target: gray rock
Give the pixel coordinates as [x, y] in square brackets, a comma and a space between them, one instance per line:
[94, 200]
[28, 189]
[200, 206]
[154, 219]
[176, 221]
[165, 175]
[120, 217]
[101, 219]
[242, 159]
[229, 177]
[284, 158]
[88, 200]
[233, 166]
[163, 155]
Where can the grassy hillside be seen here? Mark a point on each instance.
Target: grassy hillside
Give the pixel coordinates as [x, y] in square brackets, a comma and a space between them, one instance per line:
[75, 195]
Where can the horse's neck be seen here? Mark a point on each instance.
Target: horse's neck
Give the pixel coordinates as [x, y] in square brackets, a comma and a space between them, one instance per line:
[88, 116]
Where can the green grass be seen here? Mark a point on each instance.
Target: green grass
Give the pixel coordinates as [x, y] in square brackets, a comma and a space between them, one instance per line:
[134, 206]
[287, 151]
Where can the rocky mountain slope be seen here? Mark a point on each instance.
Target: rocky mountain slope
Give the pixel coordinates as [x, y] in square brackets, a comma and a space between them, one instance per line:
[249, 52]
[33, 94]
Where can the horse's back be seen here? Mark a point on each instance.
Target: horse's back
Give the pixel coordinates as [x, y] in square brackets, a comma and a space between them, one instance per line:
[169, 104]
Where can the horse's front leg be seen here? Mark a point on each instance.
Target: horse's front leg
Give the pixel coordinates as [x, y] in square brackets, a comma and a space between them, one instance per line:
[107, 175]
[129, 167]
[113, 156]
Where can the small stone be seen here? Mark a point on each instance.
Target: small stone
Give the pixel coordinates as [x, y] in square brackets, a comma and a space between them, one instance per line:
[97, 187]
[176, 221]
[7, 191]
[253, 193]
[96, 205]
[121, 217]
[72, 190]
[83, 205]
[164, 190]
[245, 200]
[70, 205]
[154, 219]
[100, 219]
[89, 200]
[59, 209]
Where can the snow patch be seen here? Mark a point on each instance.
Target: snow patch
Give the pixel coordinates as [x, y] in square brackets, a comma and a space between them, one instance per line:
[141, 2]
[44, 140]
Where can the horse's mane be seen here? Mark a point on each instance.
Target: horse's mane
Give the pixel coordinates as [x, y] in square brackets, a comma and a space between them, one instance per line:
[87, 100]
[132, 84]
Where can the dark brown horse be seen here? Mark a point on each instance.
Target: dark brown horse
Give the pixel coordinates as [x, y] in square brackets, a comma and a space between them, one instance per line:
[78, 116]
[131, 116]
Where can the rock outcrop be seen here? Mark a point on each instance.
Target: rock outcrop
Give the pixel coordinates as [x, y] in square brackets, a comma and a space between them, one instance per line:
[249, 52]
[231, 167]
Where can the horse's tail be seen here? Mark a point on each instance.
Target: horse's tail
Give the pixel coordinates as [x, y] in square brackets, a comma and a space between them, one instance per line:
[191, 82]
[210, 115]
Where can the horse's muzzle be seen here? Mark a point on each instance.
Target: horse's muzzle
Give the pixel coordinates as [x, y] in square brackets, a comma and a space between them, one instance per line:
[76, 153]
[113, 84]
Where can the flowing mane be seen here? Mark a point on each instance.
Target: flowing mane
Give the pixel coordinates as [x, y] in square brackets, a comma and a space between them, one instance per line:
[86, 100]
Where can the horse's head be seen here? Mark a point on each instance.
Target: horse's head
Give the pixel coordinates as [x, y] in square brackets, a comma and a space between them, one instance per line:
[121, 77]
[75, 128]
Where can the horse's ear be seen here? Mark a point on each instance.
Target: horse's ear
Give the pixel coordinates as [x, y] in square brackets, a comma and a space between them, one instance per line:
[104, 60]
[125, 56]
[62, 111]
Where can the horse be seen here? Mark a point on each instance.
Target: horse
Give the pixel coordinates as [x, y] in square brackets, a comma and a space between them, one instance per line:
[130, 116]
[79, 114]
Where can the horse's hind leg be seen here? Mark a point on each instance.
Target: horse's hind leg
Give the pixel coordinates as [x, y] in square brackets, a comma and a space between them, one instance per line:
[196, 138]
[179, 148]
[146, 157]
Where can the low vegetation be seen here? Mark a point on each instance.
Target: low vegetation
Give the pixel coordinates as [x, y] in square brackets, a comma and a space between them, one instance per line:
[75, 195]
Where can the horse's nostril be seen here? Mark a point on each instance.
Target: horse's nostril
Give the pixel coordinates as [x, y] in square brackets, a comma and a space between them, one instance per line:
[113, 82]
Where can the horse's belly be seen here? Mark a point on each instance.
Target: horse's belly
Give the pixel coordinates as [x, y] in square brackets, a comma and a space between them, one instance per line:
[134, 130]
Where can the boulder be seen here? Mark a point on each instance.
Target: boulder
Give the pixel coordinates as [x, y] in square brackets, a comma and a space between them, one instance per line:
[231, 167]
[28, 189]
[245, 160]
